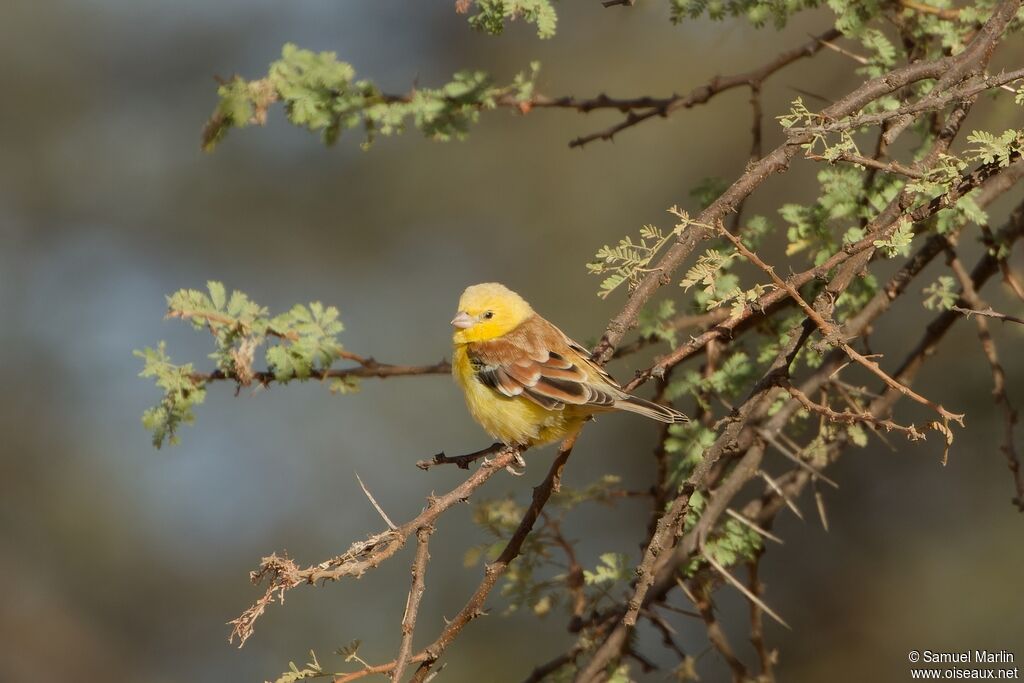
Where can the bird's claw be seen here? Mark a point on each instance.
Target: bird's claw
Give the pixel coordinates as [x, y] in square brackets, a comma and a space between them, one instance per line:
[517, 462]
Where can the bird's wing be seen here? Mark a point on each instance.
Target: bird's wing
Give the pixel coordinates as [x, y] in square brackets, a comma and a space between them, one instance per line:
[538, 362]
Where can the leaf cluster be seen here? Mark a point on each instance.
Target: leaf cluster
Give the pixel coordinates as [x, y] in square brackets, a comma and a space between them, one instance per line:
[321, 94]
[492, 15]
[300, 344]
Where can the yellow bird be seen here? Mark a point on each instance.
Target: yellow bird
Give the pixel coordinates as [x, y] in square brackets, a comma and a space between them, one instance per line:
[525, 381]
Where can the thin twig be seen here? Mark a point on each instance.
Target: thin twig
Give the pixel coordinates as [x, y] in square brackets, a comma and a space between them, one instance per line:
[988, 345]
[574, 580]
[949, 14]
[989, 313]
[774, 485]
[667, 632]
[748, 523]
[702, 94]
[931, 103]
[412, 602]
[843, 51]
[765, 657]
[846, 416]
[741, 588]
[716, 636]
[795, 457]
[373, 501]
[892, 167]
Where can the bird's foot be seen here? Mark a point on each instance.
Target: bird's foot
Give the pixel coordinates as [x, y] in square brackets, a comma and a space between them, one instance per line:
[461, 461]
[519, 463]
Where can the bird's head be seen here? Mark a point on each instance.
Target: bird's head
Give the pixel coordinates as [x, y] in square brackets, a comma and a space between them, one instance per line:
[488, 311]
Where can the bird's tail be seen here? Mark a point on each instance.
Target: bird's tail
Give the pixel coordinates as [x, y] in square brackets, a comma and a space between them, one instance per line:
[655, 411]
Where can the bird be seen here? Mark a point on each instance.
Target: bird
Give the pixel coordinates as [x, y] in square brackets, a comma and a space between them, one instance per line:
[525, 381]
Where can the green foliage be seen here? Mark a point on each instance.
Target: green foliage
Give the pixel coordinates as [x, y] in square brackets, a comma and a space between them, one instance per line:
[999, 149]
[314, 669]
[883, 52]
[941, 178]
[181, 394]
[524, 585]
[832, 145]
[655, 322]
[857, 295]
[799, 116]
[854, 16]
[301, 343]
[857, 435]
[728, 380]
[321, 94]
[310, 341]
[685, 445]
[706, 270]
[731, 543]
[757, 12]
[941, 295]
[613, 568]
[627, 261]
[708, 190]
[738, 299]
[491, 15]
[898, 243]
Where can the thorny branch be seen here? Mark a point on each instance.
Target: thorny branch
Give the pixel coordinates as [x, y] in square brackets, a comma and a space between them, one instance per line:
[946, 70]
[412, 605]
[778, 160]
[282, 574]
[493, 572]
[739, 449]
[969, 294]
[366, 367]
[791, 484]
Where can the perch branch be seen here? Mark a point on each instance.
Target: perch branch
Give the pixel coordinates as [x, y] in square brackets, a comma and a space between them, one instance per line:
[283, 574]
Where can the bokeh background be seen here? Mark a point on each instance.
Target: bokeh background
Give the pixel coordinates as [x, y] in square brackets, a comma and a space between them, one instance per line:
[121, 563]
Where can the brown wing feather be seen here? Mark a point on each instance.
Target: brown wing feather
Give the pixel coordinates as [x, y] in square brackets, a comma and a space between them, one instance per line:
[538, 361]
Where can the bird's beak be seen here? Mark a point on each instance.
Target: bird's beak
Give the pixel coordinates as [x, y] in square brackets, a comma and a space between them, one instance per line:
[463, 320]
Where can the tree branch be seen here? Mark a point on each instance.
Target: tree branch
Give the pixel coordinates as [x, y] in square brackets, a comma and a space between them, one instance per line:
[715, 86]
[368, 367]
[495, 570]
[778, 161]
[412, 603]
[282, 573]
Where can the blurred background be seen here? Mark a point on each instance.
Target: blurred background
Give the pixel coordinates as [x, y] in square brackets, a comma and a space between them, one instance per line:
[121, 563]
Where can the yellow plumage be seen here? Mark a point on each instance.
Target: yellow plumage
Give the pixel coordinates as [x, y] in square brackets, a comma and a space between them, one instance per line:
[525, 381]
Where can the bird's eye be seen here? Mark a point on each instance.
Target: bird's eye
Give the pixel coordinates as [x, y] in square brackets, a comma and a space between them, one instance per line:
[488, 315]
